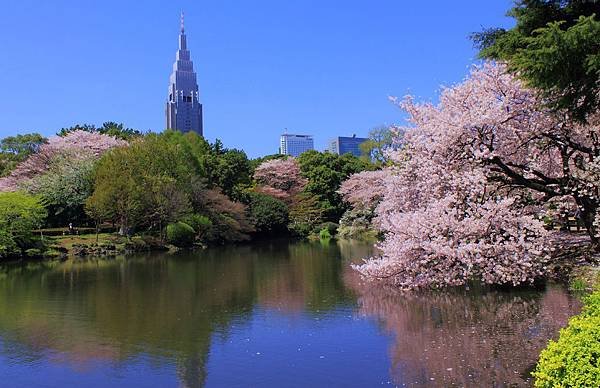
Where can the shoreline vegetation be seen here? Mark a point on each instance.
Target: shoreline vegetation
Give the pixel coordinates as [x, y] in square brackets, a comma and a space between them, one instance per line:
[470, 189]
[156, 191]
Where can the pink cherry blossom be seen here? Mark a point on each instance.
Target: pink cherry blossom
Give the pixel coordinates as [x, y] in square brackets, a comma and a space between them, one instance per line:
[77, 144]
[280, 178]
[462, 201]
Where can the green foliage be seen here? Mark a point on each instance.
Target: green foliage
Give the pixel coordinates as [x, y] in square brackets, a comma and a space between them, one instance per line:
[331, 227]
[20, 213]
[109, 128]
[356, 223]
[305, 214]
[380, 140]
[268, 214]
[180, 234]
[64, 188]
[325, 173]
[574, 359]
[15, 149]
[577, 285]
[228, 169]
[324, 234]
[147, 183]
[555, 47]
[201, 224]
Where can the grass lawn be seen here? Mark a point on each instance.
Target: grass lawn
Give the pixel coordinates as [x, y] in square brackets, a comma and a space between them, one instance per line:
[103, 238]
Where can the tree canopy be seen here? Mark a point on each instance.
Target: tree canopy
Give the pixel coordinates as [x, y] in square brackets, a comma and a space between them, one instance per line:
[15, 149]
[109, 128]
[555, 48]
[19, 215]
[325, 173]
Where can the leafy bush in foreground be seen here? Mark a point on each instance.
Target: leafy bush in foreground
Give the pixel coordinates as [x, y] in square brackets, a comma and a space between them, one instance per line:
[180, 234]
[20, 213]
[574, 359]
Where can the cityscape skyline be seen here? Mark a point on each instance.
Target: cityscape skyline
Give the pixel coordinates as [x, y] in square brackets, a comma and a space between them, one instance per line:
[310, 67]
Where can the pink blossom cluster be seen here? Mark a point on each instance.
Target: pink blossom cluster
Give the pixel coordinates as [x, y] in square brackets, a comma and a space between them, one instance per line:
[453, 207]
[365, 189]
[280, 178]
[77, 144]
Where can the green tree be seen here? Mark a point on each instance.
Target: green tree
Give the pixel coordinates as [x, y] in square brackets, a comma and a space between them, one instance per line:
[269, 215]
[165, 201]
[306, 214]
[20, 214]
[15, 149]
[110, 128]
[65, 187]
[117, 195]
[145, 184]
[554, 47]
[325, 173]
[228, 169]
[380, 140]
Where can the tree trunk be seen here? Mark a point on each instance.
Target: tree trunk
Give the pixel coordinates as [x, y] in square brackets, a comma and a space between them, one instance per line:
[587, 215]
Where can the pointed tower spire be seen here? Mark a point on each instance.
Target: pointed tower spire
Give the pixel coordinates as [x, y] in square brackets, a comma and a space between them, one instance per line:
[184, 109]
[182, 38]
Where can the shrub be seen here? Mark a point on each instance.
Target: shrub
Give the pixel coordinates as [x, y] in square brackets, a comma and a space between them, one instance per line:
[574, 359]
[33, 252]
[19, 215]
[180, 234]
[324, 234]
[331, 227]
[200, 224]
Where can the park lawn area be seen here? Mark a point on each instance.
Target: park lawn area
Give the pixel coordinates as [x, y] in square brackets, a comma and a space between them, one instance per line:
[87, 239]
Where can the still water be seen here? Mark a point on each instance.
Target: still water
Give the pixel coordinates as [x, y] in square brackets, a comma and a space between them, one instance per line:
[268, 315]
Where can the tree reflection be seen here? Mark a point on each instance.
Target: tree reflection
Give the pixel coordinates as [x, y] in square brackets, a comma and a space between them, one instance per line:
[466, 338]
[82, 312]
[169, 310]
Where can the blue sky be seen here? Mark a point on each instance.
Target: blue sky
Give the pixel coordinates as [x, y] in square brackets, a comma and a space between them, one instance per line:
[319, 67]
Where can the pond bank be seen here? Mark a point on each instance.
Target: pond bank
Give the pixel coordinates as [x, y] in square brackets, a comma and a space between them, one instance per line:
[105, 244]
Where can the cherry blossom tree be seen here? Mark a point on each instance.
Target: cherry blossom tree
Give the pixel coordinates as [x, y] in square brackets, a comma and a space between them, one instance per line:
[460, 202]
[280, 178]
[77, 144]
[365, 189]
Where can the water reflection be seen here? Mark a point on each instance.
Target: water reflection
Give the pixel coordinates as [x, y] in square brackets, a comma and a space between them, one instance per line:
[84, 311]
[466, 338]
[174, 320]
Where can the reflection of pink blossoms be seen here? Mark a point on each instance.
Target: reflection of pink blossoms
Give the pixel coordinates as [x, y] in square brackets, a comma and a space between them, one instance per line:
[450, 213]
[76, 144]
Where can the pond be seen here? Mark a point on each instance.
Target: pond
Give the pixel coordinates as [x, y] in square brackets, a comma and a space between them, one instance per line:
[264, 315]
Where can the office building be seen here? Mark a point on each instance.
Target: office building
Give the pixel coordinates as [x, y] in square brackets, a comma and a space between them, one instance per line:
[294, 145]
[342, 145]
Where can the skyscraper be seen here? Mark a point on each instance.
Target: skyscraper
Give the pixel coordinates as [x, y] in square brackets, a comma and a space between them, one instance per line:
[184, 110]
[294, 145]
